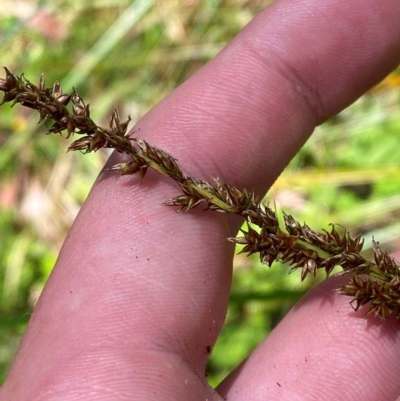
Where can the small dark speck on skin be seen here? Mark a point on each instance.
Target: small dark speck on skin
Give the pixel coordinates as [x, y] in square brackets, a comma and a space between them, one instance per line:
[148, 259]
[70, 292]
[278, 384]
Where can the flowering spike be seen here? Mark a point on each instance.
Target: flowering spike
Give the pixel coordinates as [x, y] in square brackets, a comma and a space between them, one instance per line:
[374, 283]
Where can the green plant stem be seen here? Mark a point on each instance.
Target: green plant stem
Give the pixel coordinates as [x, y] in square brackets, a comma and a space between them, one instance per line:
[374, 282]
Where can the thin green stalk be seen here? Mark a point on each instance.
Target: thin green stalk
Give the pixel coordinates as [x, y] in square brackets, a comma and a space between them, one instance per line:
[375, 282]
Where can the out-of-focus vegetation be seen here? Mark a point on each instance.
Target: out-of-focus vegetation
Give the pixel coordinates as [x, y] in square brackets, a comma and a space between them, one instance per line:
[130, 54]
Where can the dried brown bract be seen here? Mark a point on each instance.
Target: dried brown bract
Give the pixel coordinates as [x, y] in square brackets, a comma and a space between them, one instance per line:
[376, 283]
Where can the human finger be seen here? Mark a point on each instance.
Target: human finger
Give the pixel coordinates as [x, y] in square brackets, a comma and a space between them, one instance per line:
[244, 130]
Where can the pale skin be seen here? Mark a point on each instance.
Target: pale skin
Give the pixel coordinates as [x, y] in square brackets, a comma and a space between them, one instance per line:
[140, 292]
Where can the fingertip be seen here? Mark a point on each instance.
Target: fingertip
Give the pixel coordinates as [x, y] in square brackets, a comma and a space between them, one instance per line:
[323, 350]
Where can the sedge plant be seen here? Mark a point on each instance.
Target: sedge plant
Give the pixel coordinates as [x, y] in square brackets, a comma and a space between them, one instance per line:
[375, 282]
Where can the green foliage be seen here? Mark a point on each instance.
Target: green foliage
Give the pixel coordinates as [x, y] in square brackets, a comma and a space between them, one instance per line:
[347, 173]
[259, 299]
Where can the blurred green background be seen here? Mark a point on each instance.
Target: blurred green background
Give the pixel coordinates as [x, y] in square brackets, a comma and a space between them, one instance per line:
[129, 55]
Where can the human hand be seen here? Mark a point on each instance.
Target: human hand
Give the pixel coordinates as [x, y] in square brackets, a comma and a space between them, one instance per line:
[135, 301]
